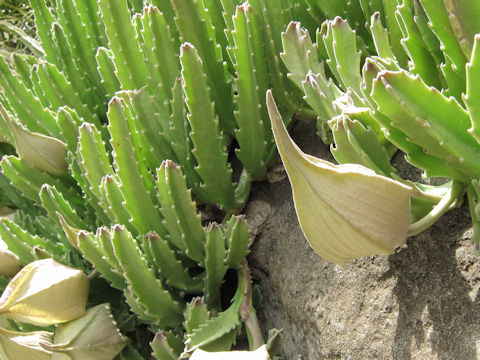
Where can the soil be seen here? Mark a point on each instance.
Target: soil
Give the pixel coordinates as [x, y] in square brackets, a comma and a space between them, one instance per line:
[420, 303]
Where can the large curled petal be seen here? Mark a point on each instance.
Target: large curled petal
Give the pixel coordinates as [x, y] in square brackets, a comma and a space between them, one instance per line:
[345, 211]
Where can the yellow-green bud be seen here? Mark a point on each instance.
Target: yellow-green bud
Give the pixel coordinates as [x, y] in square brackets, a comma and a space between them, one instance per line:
[345, 211]
[44, 293]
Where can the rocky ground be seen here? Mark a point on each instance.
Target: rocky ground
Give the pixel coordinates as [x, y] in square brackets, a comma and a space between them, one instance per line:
[420, 303]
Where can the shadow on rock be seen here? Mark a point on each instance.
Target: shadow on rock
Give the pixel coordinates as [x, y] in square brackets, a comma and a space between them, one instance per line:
[436, 292]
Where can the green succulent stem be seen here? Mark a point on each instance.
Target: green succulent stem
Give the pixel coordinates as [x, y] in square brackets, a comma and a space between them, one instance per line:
[93, 274]
[247, 312]
[420, 193]
[304, 114]
[242, 190]
[450, 200]
[472, 195]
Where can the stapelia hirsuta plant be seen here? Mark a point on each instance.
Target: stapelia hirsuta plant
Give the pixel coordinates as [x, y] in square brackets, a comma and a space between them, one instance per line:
[345, 211]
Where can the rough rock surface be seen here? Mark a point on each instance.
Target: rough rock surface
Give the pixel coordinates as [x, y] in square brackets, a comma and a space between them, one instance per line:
[420, 303]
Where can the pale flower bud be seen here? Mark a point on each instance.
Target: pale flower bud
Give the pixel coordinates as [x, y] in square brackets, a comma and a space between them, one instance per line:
[41, 151]
[345, 211]
[9, 264]
[44, 293]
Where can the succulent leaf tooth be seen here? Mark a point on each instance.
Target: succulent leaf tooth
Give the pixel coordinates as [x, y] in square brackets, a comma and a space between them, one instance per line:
[29, 179]
[22, 242]
[137, 307]
[58, 91]
[158, 48]
[151, 123]
[94, 156]
[113, 197]
[320, 95]
[394, 32]
[68, 122]
[462, 16]
[107, 71]
[43, 21]
[274, 19]
[15, 242]
[81, 83]
[76, 33]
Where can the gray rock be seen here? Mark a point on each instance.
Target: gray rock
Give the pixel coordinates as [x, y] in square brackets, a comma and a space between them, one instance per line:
[420, 303]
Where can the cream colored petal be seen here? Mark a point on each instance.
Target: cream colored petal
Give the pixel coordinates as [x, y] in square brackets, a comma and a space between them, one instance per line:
[24, 346]
[260, 354]
[9, 264]
[94, 336]
[44, 293]
[345, 211]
